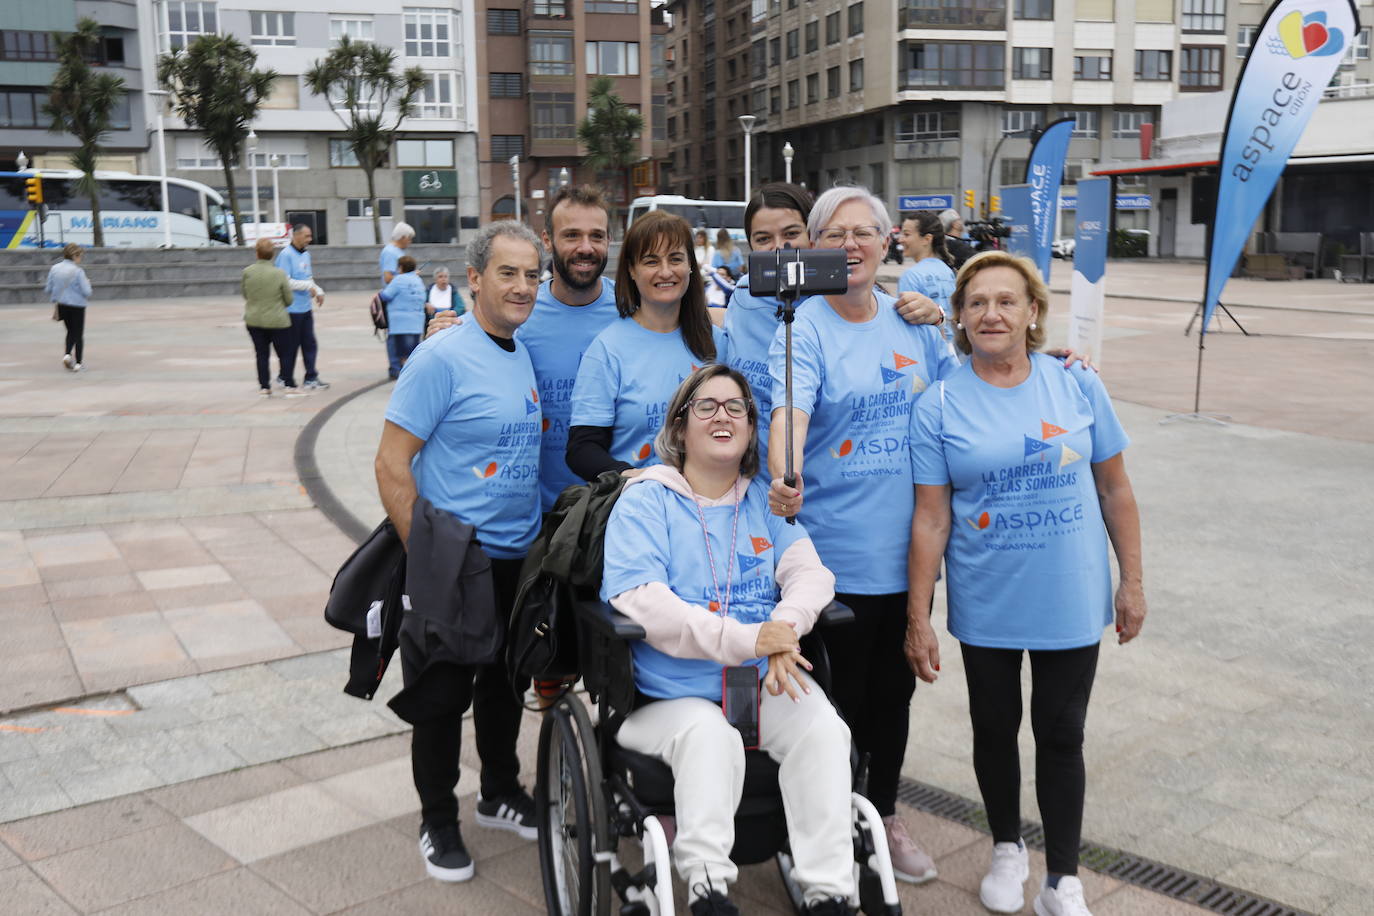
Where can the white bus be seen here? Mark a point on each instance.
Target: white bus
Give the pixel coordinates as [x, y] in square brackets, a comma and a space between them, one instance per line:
[700, 214]
[130, 211]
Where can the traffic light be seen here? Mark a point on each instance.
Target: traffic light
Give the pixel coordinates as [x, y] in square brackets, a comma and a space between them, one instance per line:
[33, 190]
[996, 204]
[970, 197]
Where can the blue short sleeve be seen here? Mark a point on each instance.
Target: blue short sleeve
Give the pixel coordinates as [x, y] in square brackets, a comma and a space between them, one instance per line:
[594, 392]
[928, 464]
[907, 283]
[390, 260]
[423, 394]
[636, 537]
[391, 289]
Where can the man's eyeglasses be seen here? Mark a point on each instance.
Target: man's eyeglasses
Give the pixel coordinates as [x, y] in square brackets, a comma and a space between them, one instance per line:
[707, 408]
[864, 235]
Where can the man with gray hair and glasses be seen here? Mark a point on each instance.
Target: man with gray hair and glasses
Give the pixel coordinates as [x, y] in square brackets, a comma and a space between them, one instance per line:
[462, 432]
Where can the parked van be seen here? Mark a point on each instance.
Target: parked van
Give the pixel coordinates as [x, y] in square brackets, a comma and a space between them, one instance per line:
[700, 214]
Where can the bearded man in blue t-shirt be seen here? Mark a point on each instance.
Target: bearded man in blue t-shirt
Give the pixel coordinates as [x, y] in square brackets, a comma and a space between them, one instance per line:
[462, 430]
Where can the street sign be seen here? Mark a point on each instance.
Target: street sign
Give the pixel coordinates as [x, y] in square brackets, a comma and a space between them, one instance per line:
[430, 183]
[1123, 202]
[925, 202]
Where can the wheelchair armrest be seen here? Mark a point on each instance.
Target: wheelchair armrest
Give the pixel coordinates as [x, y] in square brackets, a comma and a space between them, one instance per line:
[607, 621]
[835, 614]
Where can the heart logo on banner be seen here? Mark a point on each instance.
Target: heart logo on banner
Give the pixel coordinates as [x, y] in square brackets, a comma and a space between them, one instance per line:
[1314, 35]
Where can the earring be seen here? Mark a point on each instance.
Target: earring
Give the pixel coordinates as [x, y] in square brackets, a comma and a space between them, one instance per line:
[1032, 326]
[959, 325]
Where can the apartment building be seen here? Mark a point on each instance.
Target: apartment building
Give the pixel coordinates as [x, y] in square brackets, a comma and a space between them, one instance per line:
[537, 60]
[305, 170]
[28, 62]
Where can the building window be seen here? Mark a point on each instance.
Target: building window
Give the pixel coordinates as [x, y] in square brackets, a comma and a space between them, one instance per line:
[1245, 37]
[832, 83]
[22, 45]
[1084, 124]
[941, 14]
[1013, 171]
[1154, 65]
[1127, 124]
[1204, 15]
[552, 116]
[188, 18]
[435, 99]
[758, 55]
[341, 155]
[551, 54]
[613, 58]
[628, 7]
[876, 173]
[1031, 63]
[1034, 9]
[856, 75]
[427, 32]
[417, 154]
[928, 125]
[813, 30]
[286, 94]
[271, 28]
[291, 153]
[1199, 68]
[659, 112]
[1019, 120]
[813, 88]
[361, 207]
[672, 128]
[503, 146]
[775, 48]
[507, 85]
[1359, 48]
[915, 176]
[353, 29]
[503, 22]
[760, 101]
[551, 9]
[792, 47]
[191, 152]
[1092, 66]
[832, 28]
[954, 65]
[856, 19]
[775, 100]
[793, 93]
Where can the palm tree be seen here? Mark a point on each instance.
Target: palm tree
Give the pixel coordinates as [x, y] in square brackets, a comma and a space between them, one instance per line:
[363, 89]
[610, 132]
[80, 102]
[216, 90]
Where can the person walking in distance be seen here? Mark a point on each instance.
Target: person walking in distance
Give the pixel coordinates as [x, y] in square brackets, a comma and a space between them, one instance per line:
[266, 297]
[405, 308]
[69, 288]
[306, 295]
[401, 237]
[462, 432]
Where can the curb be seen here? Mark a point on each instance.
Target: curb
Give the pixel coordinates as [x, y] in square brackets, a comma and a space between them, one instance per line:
[308, 471]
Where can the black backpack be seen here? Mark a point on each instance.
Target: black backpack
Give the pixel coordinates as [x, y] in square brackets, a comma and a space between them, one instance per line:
[564, 564]
[376, 310]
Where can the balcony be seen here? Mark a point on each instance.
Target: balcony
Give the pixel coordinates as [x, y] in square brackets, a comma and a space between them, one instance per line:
[548, 9]
[990, 15]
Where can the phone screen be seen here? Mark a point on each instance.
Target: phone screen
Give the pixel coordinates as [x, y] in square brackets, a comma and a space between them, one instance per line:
[740, 701]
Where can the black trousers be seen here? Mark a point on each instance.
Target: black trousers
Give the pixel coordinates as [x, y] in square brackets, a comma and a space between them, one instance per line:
[303, 339]
[74, 317]
[436, 742]
[278, 339]
[872, 686]
[1061, 683]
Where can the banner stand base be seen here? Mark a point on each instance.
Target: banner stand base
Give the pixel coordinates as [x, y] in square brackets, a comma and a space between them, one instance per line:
[1222, 420]
[1197, 313]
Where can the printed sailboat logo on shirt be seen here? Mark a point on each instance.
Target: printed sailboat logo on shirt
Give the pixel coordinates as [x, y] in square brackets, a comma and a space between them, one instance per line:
[899, 362]
[760, 545]
[846, 447]
[983, 521]
[489, 471]
[746, 562]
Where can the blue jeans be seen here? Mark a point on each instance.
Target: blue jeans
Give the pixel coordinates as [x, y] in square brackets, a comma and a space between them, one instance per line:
[393, 358]
[303, 339]
[400, 346]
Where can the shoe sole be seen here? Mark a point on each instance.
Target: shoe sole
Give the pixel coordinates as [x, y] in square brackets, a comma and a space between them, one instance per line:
[68, 362]
[929, 875]
[1040, 910]
[447, 875]
[500, 823]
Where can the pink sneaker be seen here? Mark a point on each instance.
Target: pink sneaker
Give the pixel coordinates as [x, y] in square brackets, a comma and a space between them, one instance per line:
[909, 862]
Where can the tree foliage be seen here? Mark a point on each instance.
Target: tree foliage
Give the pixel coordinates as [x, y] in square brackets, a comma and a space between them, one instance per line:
[610, 132]
[217, 90]
[81, 102]
[360, 82]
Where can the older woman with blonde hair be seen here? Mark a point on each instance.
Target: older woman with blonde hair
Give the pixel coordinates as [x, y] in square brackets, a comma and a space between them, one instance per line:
[266, 296]
[1020, 482]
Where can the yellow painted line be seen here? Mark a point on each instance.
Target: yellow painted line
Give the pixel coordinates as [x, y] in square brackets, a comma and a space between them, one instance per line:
[74, 711]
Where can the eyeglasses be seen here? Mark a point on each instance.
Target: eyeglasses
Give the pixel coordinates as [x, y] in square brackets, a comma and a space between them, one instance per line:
[863, 235]
[707, 408]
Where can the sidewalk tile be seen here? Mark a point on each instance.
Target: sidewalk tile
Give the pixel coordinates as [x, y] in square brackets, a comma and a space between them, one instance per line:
[24, 892]
[225, 631]
[109, 782]
[312, 634]
[171, 693]
[510, 870]
[223, 790]
[7, 858]
[435, 898]
[18, 572]
[51, 834]
[345, 870]
[383, 790]
[67, 610]
[117, 583]
[1133, 901]
[164, 553]
[1281, 881]
[183, 576]
[73, 572]
[195, 763]
[23, 596]
[1343, 861]
[119, 870]
[335, 731]
[64, 549]
[239, 891]
[145, 642]
[339, 760]
[192, 596]
[38, 676]
[33, 797]
[331, 665]
[280, 822]
[1263, 836]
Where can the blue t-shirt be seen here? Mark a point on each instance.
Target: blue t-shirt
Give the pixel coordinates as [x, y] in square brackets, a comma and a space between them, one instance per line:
[297, 267]
[931, 277]
[405, 304]
[626, 379]
[735, 263]
[857, 382]
[1027, 556]
[654, 535]
[557, 335]
[750, 323]
[389, 260]
[476, 407]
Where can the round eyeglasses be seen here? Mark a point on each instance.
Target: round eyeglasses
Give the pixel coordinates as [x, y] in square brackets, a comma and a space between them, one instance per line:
[707, 408]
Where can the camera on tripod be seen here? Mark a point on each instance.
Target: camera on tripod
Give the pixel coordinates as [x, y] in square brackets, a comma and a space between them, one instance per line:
[986, 232]
[792, 273]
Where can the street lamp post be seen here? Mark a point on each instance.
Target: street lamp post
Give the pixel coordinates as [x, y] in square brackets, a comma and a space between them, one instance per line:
[746, 122]
[1032, 132]
[787, 153]
[274, 160]
[161, 96]
[564, 177]
[515, 177]
[253, 171]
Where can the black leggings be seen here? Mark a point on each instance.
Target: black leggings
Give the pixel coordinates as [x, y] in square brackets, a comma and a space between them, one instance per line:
[74, 317]
[278, 339]
[872, 685]
[436, 741]
[1061, 683]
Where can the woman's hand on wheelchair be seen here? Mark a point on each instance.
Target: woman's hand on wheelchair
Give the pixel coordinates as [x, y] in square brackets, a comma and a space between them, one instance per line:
[922, 650]
[783, 674]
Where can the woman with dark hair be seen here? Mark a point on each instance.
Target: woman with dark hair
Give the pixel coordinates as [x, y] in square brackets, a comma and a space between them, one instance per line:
[676, 548]
[923, 237]
[632, 368]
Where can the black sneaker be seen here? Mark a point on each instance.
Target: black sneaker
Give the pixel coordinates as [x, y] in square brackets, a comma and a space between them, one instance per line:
[713, 903]
[513, 812]
[829, 906]
[446, 859]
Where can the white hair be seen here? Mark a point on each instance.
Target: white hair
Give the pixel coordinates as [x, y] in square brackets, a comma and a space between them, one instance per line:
[441, 269]
[949, 218]
[823, 211]
[402, 231]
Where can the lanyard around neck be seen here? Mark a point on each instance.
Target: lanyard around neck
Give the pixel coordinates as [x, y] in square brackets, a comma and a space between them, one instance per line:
[720, 606]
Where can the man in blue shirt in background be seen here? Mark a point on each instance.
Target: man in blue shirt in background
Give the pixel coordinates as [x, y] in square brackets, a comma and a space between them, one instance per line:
[295, 260]
[401, 237]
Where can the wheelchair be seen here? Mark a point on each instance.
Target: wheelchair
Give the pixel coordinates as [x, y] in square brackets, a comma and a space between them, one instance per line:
[591, 794]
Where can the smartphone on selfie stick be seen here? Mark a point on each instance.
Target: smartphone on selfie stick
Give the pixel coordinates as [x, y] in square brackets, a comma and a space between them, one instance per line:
[790, 274]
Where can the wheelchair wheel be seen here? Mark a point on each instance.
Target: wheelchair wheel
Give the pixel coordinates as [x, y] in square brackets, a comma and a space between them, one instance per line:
[572, 822]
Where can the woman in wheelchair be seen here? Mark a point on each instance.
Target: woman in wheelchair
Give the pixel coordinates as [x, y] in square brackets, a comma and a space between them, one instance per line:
[694, 556]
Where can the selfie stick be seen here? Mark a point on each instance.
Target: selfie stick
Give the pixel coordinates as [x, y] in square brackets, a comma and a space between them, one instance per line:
[789, 287]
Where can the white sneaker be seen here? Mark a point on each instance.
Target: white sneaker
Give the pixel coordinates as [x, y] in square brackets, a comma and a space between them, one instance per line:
[68, 361]
[78, 368]
[1003, 887]
[1065, 900]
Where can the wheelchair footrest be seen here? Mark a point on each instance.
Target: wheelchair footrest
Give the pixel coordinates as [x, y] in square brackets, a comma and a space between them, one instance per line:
[623, 881]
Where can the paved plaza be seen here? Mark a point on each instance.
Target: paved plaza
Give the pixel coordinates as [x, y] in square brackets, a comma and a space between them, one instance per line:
[174, 739]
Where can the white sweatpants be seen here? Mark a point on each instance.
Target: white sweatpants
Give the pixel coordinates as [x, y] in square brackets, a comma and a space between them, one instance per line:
[811, 745]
